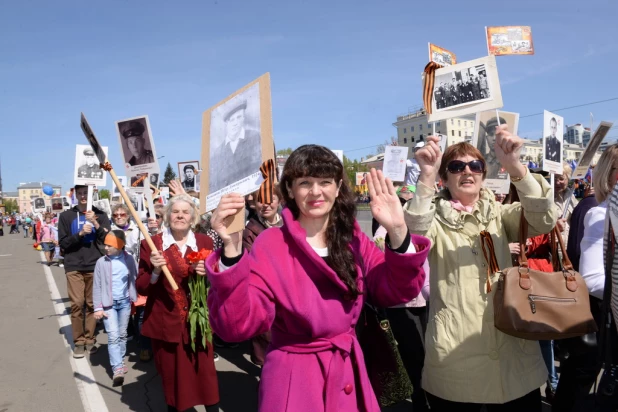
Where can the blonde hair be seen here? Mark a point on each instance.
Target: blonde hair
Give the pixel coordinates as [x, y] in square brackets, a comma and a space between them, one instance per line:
[195, 216]
[602, 173]
[567, 170]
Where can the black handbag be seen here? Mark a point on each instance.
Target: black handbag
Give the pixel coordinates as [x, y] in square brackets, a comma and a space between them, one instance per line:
[388, 376]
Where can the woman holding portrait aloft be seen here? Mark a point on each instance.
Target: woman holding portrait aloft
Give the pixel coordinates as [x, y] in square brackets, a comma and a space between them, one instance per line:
[468, 362]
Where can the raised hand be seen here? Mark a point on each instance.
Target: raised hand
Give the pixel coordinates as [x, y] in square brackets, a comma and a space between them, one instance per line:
[508, 149]
[386, 207]
[429, 159]
[176, 188]
[229, 205]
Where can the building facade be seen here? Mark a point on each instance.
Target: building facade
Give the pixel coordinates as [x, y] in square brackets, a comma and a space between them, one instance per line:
[27, 192]
[413, 128]
[577, 134]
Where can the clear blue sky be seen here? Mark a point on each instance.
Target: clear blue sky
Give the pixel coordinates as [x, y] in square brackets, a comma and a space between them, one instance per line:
[341, 70]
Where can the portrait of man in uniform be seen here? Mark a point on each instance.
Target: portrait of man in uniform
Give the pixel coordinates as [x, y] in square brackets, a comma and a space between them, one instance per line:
[553, 146]
[137, 146]
[236, 143]
[90, 169]
[188, 174]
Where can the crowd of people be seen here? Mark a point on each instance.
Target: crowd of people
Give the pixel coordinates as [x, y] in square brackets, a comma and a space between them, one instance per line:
[455, 92]
[297, 280]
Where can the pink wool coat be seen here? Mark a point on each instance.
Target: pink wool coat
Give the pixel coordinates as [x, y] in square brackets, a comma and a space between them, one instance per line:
[284, 286]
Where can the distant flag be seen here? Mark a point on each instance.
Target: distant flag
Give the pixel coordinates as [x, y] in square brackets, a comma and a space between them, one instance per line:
[589, 175]
[531, 165]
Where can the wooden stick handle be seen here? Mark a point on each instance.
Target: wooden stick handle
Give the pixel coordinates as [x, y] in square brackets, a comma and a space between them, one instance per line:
[141, 226]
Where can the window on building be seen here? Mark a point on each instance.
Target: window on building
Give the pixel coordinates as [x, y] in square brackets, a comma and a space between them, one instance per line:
[405, 140]
[420, 138]
[438, 124]
[465, 123]
[412, 140]
[452, 132]
[460, 133]
[458, 122]
[420, 127]
[411, 129]
[452, 122]
[404, 129]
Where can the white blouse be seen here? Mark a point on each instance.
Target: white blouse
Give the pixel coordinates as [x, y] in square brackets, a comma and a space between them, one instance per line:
[591, 264]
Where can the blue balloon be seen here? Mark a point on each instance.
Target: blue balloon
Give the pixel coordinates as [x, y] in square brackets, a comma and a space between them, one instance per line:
[48, 190]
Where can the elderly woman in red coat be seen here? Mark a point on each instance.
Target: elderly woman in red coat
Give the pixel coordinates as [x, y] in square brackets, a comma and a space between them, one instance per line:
[189, 377]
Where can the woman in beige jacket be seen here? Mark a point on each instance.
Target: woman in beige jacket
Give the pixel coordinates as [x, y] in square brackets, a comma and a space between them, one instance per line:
[468, 362]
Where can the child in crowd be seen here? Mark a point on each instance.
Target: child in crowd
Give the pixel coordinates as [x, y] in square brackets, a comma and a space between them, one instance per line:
[45, 237]
[113, 291]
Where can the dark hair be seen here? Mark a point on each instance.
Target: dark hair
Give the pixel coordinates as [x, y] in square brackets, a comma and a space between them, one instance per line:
[459, 150]
[318, 161]
[120, 235]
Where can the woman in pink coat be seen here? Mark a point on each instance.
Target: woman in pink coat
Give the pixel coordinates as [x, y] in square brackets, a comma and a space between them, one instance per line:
[307, 282]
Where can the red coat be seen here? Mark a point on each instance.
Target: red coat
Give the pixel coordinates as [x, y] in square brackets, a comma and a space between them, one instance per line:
[165, 313]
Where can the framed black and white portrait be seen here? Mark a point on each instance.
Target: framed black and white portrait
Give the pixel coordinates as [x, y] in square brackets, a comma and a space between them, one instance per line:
[465, 88]
[87, 170]
[103, 205]
[484, 139]
[553, 129]
[137, 146]
[236, 140]
[188, 172]
[123, 181]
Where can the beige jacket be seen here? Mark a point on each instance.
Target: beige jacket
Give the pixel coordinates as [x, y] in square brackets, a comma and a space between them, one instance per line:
[467, 359]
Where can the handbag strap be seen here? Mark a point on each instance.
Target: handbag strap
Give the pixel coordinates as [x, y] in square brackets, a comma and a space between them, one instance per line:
[489, 252]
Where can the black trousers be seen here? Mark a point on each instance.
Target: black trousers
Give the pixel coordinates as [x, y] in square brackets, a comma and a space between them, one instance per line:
[578, 373]
[409, 326]
[527, 403]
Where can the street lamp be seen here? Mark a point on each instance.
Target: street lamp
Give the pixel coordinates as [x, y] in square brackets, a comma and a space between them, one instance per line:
[161, 157]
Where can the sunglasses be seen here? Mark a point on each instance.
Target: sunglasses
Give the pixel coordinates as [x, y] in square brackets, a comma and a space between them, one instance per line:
[158, 216]
[119, 215]
[457, 166]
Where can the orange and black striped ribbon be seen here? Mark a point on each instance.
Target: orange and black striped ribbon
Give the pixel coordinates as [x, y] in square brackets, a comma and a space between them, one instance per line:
[265, 194]
[428, 82]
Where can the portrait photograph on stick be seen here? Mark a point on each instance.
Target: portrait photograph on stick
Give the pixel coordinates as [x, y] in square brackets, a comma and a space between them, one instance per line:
[137, 145]
[103, 205]
[553, 131]
[87, 169]
[465, 88]
[123, 180]
[188, 172]
[140, 180]
[236, 139]
[593, 145]
[484, 139]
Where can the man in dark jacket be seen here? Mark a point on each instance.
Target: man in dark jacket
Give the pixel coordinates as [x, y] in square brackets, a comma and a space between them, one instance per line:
[80, 233]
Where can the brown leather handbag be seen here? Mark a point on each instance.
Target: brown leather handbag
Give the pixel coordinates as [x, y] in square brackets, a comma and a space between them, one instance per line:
[534, 305]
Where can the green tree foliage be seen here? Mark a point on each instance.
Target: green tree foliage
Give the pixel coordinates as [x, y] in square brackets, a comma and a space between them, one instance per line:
[169, 174]
[11, 206]
[285, 152]
[351, 167]
[104, 194]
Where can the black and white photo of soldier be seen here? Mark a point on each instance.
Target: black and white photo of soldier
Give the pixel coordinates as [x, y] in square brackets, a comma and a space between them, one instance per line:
[188, 175]
[136, 145]
[39, 203]
[461, 87]
[553, 146]
[235, 140]
[103, 205]
[154, 179]
[486, 145]
[90, 168]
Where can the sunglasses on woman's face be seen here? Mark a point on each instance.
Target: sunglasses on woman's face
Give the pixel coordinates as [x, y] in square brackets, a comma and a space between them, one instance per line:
[457, 166]
[119, 215]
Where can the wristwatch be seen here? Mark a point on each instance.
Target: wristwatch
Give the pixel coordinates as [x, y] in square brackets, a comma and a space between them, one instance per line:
[517, 179]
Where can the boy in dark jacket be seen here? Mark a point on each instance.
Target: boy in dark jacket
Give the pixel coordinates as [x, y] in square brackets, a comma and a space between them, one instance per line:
[81, 234]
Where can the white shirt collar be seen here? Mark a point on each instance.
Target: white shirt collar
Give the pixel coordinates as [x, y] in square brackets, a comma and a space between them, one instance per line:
[168, 240]
[234, 144]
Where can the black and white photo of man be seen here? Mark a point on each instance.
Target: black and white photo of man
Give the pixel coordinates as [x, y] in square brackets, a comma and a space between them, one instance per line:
[236, 143]
[91, 169]
[553, 146]
[133, 133]
[188, 173]
[154, 179]
[486, 145]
